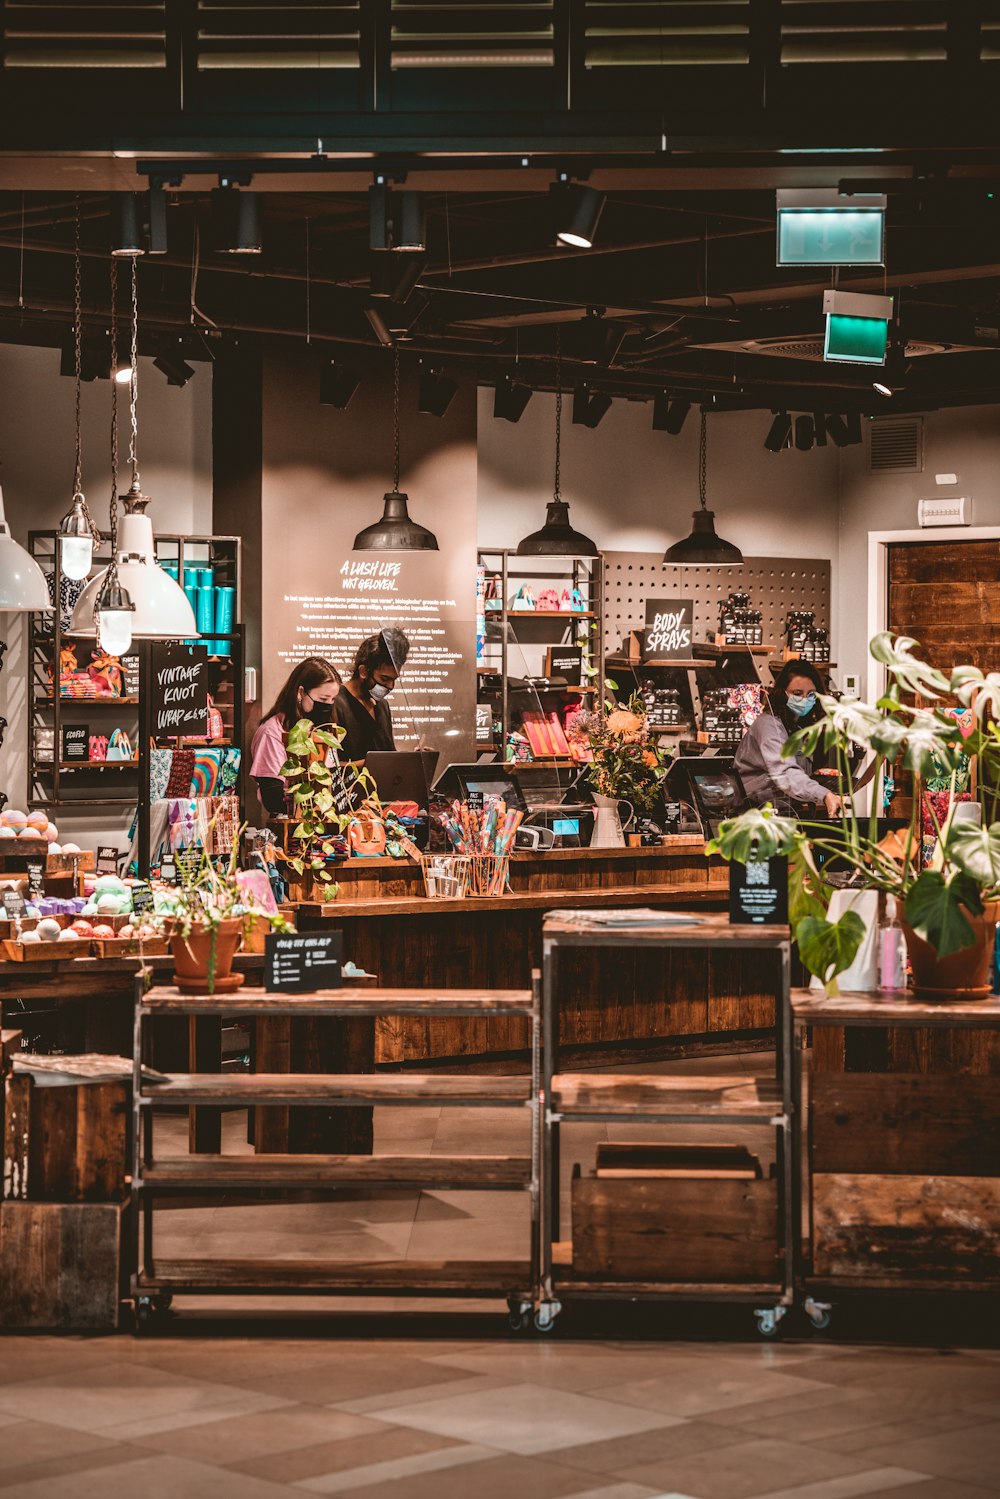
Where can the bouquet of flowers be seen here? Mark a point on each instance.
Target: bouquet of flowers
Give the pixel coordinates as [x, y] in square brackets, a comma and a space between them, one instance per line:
[626, 762]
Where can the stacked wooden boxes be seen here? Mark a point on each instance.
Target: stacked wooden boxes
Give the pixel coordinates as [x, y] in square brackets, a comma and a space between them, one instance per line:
[62, 1217]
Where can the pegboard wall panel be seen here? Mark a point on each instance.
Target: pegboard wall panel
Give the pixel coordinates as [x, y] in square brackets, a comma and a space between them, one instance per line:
[775, 585]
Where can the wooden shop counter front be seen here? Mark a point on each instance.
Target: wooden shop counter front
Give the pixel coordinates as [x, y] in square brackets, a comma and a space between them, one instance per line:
[623, 1003]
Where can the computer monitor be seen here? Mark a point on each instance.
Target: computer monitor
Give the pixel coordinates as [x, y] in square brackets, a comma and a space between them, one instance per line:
[718, 794]
[400, 775]
[488, 777]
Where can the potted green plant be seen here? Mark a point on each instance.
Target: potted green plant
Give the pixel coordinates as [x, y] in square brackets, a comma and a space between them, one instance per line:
[626, 764]
[930, 723]
[317, 818]
[202, 918]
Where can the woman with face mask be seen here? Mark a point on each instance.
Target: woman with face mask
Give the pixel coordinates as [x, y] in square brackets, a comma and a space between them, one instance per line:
[310, 692]
[362, 709]
[765, 775]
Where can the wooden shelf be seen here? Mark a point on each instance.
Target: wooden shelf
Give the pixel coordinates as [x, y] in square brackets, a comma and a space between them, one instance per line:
[335, 1088]
[696, 893]
[395, 1277]
[210, 1172]
[97, 765]
[581, 1094]
[884, 1011]
[346, 1001]
[548, 614]
[89, 702]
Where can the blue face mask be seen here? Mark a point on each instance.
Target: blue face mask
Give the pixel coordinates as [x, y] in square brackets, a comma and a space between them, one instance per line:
[800, 706]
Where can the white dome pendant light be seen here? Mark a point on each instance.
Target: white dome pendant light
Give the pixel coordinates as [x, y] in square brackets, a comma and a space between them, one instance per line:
[159, 607]
[22, 582]
[77, 532]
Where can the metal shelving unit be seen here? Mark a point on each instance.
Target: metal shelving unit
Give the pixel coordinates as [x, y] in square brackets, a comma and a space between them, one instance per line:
[154, 1281]
[602, 1097]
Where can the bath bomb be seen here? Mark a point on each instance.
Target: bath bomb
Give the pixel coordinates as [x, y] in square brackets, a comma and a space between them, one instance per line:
[37, 820]
[71, 848]
[12, 818]
[52, 833]
[103, 931]
[30, 936]
[48, 929]
[31, 910]
[107, 904]
[6, 832]
[55, 848]
[68, 935]
[29, 832]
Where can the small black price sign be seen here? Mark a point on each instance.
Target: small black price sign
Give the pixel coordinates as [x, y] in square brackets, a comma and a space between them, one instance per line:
[474, 801]
[108, 859]
[299, 963]
[188, 860]
[758, 893]
[13, 903]
[565, 661]
[36, 876]
[75, 741]
[142, 897]
[168, 869]
[179, 690]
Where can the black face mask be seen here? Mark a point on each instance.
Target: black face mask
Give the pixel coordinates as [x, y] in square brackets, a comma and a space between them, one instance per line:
[319, 714]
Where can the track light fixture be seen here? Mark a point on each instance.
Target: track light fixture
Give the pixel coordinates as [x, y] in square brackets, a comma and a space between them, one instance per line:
[437, 391]
[577, 210]
[170, 362]
[891, 378]
[805, 433]
[590, 407]
[780, 434]
[126, 236]
[337, 385]
[595, 339]
[396, 220]
[156, 204]
[510, 399]
[236, 220]
[669, 416]
[395, 277]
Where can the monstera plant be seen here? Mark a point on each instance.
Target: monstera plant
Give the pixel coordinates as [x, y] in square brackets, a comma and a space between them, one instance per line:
[930, 723]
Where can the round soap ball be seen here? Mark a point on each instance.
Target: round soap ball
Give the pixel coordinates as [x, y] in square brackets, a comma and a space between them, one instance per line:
[29, 832]
[31, 936]
[6, 832]
[48, 929]
[71, 848]
[108, 882]
[68, 935]
[55, 848]
[12, 818]
[52, 834]
[107, 904]
[37, 820]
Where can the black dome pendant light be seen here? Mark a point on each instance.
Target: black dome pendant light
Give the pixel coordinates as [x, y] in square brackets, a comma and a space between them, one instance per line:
[703, 548]
[557, 537]
[395, 532]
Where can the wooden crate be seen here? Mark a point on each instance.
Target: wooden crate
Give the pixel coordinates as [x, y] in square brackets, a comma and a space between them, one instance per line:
[675, 1230]
[65, 1143]
[62, 1265]
[905, 1123]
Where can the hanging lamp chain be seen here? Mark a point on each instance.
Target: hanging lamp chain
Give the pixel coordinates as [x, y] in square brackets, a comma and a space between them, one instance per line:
[77, 347]
[111, 575]
[703, 462]
[133, 385]
[557, 487]
[395, 422]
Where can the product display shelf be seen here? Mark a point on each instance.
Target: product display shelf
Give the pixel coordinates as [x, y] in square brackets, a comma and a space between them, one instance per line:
[903, 1167]
[578, 627]
[155, 1280]
[760, 1215]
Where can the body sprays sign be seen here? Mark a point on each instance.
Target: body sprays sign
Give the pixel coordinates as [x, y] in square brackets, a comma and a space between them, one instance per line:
[669, 630]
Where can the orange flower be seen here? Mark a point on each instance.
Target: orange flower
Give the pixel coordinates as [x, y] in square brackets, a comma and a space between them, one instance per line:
[628, 727]
[650, 759]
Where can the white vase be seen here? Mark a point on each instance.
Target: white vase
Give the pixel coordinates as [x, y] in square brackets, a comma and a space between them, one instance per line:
[607, 823]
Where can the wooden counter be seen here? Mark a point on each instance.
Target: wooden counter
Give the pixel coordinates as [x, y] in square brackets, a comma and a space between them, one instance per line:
[622, 1004]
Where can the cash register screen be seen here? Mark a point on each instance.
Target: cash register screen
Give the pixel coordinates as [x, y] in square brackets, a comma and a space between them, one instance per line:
[566, 827]
[719, 792]
[495, 785]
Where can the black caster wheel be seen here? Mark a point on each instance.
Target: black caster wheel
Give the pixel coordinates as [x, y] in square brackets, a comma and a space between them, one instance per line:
[819, 1313]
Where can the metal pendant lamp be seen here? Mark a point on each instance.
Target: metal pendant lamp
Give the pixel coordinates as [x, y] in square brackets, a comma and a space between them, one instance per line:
[557, 538]
[158, 607]
[395, 532]
[22, 583]
[703, 548]
[77, 531]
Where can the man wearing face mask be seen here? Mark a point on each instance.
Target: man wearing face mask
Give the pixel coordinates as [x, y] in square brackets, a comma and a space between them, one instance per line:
[766, 777]
[310, 692]
[362, 709]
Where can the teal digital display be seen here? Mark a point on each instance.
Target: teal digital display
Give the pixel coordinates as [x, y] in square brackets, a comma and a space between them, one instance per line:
[831, 236]
[855, 340]
[566, 827]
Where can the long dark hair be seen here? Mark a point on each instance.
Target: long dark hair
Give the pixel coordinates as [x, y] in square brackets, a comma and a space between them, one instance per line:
[778, 695]
[310, 673]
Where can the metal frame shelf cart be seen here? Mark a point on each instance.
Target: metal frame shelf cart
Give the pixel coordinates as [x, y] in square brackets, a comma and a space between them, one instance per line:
[154, 1281]
[903, 1174]
[631, 1097]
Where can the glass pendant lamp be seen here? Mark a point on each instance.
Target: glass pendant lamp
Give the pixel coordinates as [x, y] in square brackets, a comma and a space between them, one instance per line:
[159, 608]
[77, 531]
[395, 531]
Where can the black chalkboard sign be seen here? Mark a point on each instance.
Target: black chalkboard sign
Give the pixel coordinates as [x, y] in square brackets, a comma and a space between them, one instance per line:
[179, 690]
[758, 893]
[36, 877]
[142, 897]
[168, 869]
[669, 630]
[75, 741]
[13, 903]
[108, 859]
[565, 661]
[301, 962]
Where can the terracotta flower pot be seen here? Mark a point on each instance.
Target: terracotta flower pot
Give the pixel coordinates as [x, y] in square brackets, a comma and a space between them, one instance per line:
[965, 974]
[193, 954]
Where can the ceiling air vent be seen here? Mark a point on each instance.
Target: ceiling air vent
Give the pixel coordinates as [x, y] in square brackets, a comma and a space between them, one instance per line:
[665, 33]
[891, 31]
[291, 36]
[473, 34]
[896, 446]
[43, 34]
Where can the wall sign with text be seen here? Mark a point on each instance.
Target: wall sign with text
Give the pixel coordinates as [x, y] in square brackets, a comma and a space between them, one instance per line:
[179, 690]
[669, 630]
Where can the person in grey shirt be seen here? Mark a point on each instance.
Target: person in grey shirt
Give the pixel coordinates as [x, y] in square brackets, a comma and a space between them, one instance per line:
[765, 775]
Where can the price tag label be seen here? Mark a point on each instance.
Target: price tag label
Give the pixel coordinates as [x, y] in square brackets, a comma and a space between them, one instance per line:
[168, 870]
[36, 876]
[108, 859]
[13, 903]
[302, 962]
[142, 897]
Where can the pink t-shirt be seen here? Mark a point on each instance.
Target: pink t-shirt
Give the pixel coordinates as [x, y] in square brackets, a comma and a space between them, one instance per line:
[268, 751]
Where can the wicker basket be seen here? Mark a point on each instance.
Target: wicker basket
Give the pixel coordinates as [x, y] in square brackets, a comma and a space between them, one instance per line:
[446, 876]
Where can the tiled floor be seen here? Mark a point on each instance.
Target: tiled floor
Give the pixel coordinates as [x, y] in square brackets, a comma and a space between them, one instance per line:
[442, 1401]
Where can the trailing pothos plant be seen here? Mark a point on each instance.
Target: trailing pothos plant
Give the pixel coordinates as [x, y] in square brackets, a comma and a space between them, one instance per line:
[320, 813]
[930, 723]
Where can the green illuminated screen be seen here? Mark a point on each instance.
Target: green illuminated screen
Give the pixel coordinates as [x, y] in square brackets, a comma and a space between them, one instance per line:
[825, 236]
[855, 340]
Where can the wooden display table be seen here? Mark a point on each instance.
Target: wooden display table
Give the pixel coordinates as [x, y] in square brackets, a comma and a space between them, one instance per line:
[903, 1144]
